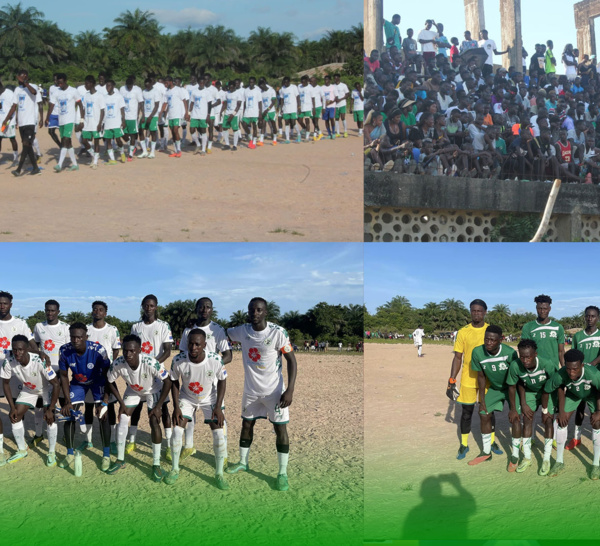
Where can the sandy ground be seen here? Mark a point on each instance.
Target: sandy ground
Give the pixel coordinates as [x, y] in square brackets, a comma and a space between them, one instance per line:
[294, 192]
[325, 471]
[415, 487]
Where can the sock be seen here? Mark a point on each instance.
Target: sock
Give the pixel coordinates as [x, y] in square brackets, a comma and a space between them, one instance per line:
[120, 149]
[561, 440]
[262, 137]
[596, 438]
[168, 434]
[156, 454]
[1, 443]
[36, 147]
[226, 137]
[132, 148]
[144, 147]
[236, 137]
[196, 139]
[220, 448]
[178, 146]
[420, 350]
[132, 433]
[96, 158]
[72, 156]
[111, 154]
[282, 457]
[287, 132]
[88, 433]
[52, 431]
[39, 421]
[19, 433]
[106, 451]
[274, 138]
[360, 132]
[176, 446]
[516, 444]
[61, 157]
[577, 433]
[204, 141]
[122, 435]
[152, 146]
[464, 439]
[15, 156]
[527, 447]
[189, 434]
[83, 428]
[113, 432]
[555, 429]
[307, 135]
[345, 126]
[487, 443]
[337, 127]
[210, 144]
[244, 452]
[547, 448]
[493, 437]
[225, 434]
[280, 132]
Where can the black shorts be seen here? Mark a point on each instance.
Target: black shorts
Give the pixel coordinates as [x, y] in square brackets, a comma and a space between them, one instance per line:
[27, 133]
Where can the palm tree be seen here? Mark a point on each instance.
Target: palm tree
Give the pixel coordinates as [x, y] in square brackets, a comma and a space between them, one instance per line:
[238, 318]
[216, 48]
[272, 53]
[90, 51]
[20, 44]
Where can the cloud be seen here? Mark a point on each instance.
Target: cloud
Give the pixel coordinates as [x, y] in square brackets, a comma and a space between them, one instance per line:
[315, 34]
[188, 17]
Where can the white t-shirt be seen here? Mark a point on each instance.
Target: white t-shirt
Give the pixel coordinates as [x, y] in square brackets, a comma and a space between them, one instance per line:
[132, 99]
[6, 102]
[428, 35]
[11, 328]
[27, 106]
[51, 91]
[34, 377]
[288, 95]
[306, 96]
[112, 117]
[328, 93]
[418, 336]
[201, 98]
[489, 46]
[570, 69]
[82, 91]
[197, 380]
[232, 102]
[101, 89]
[147, 378]
[93, 104]
[359, 104]
[216, 339]
[267, 99]
[151, 97]
[64, 105]
[174, 98]
[261, 355]
[317, 94]
[51, 338]
[252, 98]
[153, 335]
[161, 89]
[341, 91]
[108, 337]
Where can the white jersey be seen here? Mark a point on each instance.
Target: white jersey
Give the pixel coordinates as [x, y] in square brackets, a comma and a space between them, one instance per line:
[6, 102]
[151, 97]
[147, 378]
[26, 106]
[108, 337]
[200, 98]
[341, 90]
[93, 104]
[232, 103]
[214, 97]
[359, 104]
[161, 89]
[132, 100]
[197, 380]
[11, 328]
[261, 354]
[328, 93]
[216, 338]
[174, 99]
[267, 99]
[252, 98]
[64, 105]
[418, 336]
[153, 335]
[316, 93]
[51, 338]
[82, 91]
[34, 376]
[101, 89]
[288, 95]
[306, 103]
[112, 117]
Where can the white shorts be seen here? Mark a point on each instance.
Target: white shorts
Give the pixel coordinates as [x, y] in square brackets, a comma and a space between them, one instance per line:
[189, 406]
[30, 399]
[260, 407]
[133, 398]
[11, 132]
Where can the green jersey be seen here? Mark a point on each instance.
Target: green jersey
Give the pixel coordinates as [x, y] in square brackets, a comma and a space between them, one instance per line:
[547, 338]
[534, 381]
[495, 367]
[584, 387]
[588, 345]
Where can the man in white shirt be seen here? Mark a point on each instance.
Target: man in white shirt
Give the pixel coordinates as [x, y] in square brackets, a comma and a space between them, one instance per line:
[94, 107]
[418, 339]
[269, 111]
[114, 122]
[134, 107]
[358, 107]
[427, 38]
[490, 49]
[340, 109]
[176, 108]
[318, 96]
[307, 106]
[9, 133]
[252, 110]
[200, 106]
[291, 105]
[329, 97]
[230, 118]
[149, 122]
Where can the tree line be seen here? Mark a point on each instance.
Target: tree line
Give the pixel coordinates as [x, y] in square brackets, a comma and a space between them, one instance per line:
[399, 316]
[136, 45]
[323, 322]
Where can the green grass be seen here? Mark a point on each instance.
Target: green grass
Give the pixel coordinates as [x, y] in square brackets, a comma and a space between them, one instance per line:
[281, 230]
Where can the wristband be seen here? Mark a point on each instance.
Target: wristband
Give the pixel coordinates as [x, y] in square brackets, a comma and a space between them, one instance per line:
[545, 411]
[452, 380]
[104, 404]
[81, 121]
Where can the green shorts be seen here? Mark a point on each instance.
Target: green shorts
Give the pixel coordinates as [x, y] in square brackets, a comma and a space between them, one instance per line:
[494, 400]
[174, 122]
[65, 131]
[249, 120]
[534, 401]
[131, 127]
[359, 115]
[290, 116]
[307, 114]
[151, 124]
[271, 116]
[339, 111]
[234, 123]
[89, 135]
[198, 123]
[318, 112]
[112, 133]
[572, 403]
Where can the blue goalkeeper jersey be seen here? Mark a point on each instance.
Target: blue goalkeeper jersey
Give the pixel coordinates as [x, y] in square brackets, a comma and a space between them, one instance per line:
[86, 369]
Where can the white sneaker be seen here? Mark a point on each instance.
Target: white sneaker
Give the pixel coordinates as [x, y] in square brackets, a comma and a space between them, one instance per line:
[151, 155]
[144, 154]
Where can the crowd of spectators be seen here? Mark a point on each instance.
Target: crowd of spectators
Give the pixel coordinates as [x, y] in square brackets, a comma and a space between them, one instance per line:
[436, 105]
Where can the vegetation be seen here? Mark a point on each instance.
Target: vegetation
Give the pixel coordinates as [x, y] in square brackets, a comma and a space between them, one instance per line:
[137, 45]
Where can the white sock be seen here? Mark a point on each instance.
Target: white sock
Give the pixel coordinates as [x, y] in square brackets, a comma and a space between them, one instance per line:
[420, 347]
[168, 434]
[274, 138]
[178, 146]
[561, 440]
[1, 443]
[283, 462]
[111, 154]
[189, 434]
[345, 126]
[88, 435]
[122, 435]
[52, 431]
[39, 421]
[547, 448]
[176, 447]
[36, 147]
[236, 137]
[72, 156]
[156, 454]
[596, 437]
[209, 144]
[527, 447]
[360, 132]
[96, 158]
[152, 146]
[132, 433]
[487, 443]
[204, 141]
[577, 433]
[337, 127]
[516, 444]
[307, 135]
[226, 138]
[220, 448]
[144, 147]
[83, 428]
[18, 431]
[287, 132]
[244, 452]
[262, 137]
[61, 157]
[196, 139]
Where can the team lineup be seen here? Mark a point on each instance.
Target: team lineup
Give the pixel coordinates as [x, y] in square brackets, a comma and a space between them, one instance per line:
[132, 119]
[540, 374]
[39, 368]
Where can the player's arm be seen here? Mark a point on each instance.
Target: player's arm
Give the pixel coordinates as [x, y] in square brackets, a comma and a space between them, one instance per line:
[481, 387]
[112, 388]
[11, 403]
[41, 114]
[49, 413]
[218, 412]
[451, 390]
[79, 105]
[227, 356]
[286, 397]
[154, 112]
[237, 108]
[513, 415]
[561, 354]
[10, 114]
[165, 352]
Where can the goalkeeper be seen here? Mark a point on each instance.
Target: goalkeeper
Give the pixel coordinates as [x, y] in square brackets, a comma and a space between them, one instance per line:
[467, 339]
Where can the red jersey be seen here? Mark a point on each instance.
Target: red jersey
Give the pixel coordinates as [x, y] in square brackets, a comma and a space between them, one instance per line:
[565, 152]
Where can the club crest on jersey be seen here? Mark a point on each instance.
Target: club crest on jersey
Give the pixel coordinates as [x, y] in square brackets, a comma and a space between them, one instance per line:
[268, 341]
[196, 388]
[209, 373]
[90, 366]
[253, 354]
[49, 345]
[145, 375]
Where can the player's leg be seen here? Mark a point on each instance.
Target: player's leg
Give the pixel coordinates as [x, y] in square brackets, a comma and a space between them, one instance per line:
[38, 416]
[561, 438]
[52, 432]
[246, 436]
[153, 137]
[105, 437]
[220, 450]
[156, 434]
[22, 404]
[548, 423]
[67, 142]
[579, 415]
[344, 122]
[135, 419]
[188, 448]
[122, 427]
[273, 129]
[77, 397]
[166, 420]
[517, 435]
[532, 402]
[187, 409]
[467, 398]
[87, 427]
[486, 436]
[495, 447]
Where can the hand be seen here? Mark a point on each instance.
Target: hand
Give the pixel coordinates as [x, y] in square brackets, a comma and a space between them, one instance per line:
[546, 417]
[13, 416]
[527, 411]
[595, 418]
[46, 122]
[482, 408]
[513, 416]
[562, 419]
[177, 417]
[41, 123]
[451, 391]
[156, 412]
[66, 409]
[122, 410]
[218, 415]
[49, 416]
[187, 117]
[99, 409]
[286, 399]
[79, 127]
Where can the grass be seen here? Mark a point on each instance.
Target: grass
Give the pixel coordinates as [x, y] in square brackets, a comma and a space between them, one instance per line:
[281, 230]
[407, 487]
[6, 232]
[186, 230]
[127, 239]
[437, 414]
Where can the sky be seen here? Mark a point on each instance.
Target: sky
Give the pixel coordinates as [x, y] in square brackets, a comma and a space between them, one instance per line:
[296, 276]
[508, 273]
[551, 20]
[307, 20]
